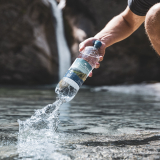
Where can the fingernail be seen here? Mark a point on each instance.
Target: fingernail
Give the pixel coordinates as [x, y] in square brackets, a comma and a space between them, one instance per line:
[80, 45]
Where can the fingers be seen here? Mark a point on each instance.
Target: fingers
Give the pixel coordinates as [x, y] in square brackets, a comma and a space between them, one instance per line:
[90, 42]
[81, 46]
[90, 74]
[97, 65]
[102, 51]
[100, 58]
[87, 42]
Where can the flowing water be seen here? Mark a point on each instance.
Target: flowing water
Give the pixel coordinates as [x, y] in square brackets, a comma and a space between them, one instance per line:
[64, 54]
[117, 122]
[45, 118]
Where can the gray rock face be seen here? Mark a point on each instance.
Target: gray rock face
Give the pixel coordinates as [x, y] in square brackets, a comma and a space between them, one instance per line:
[130, 61]
[28, 50]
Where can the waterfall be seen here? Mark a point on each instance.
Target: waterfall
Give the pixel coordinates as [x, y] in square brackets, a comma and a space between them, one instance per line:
[63, 50]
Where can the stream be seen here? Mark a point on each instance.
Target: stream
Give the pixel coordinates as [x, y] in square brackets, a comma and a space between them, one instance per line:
[109, 122]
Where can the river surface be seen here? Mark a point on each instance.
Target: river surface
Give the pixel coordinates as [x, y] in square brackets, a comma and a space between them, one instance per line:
[101, 123]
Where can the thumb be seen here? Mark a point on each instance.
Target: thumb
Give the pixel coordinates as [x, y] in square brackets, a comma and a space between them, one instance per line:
[87, 42]
[81, 46]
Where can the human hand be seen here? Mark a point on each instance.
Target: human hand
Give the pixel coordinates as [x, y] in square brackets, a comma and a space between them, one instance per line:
[90, 42]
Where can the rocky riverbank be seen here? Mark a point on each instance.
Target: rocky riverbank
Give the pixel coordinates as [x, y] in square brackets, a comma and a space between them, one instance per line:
[28, 49]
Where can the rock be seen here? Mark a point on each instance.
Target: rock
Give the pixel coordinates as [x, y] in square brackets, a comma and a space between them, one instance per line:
[28, 50]
[79, 24]
[130, 61]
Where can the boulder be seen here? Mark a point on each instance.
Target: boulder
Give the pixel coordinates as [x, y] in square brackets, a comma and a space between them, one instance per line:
[28, 50]
[131, 61]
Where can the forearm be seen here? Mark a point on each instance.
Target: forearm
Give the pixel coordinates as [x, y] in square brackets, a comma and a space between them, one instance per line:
[119, 28]
[116, 30]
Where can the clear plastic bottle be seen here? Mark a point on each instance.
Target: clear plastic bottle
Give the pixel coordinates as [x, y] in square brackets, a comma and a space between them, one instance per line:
[68, 87]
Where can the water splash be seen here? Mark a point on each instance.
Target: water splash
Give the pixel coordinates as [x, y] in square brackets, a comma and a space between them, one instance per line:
[41, 144]
[46, 118]
[38, 133]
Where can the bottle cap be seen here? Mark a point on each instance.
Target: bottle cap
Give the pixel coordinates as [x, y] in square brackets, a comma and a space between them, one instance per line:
[97, 44]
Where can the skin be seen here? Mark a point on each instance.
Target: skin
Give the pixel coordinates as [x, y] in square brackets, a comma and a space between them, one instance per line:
[123, 25]
[152, 26]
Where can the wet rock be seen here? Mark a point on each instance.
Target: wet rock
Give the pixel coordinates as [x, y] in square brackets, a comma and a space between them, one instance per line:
[28, 51]
[8, 152]
[130, 61]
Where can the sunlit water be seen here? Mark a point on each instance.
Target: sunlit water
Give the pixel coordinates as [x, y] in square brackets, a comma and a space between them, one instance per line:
[118, 122]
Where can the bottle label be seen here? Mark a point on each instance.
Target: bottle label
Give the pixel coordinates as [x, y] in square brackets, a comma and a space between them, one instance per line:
[79, 71]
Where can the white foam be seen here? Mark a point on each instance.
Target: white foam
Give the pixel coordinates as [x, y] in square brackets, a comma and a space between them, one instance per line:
[139, 89]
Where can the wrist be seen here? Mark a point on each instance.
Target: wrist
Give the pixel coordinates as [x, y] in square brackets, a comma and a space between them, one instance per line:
[106, 39]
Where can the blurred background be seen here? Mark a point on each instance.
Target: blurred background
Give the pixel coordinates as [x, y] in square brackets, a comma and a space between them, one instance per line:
[30, 49]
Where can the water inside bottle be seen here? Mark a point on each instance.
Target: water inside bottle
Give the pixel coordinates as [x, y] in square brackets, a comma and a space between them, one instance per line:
[65, 91]
[91, 55]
